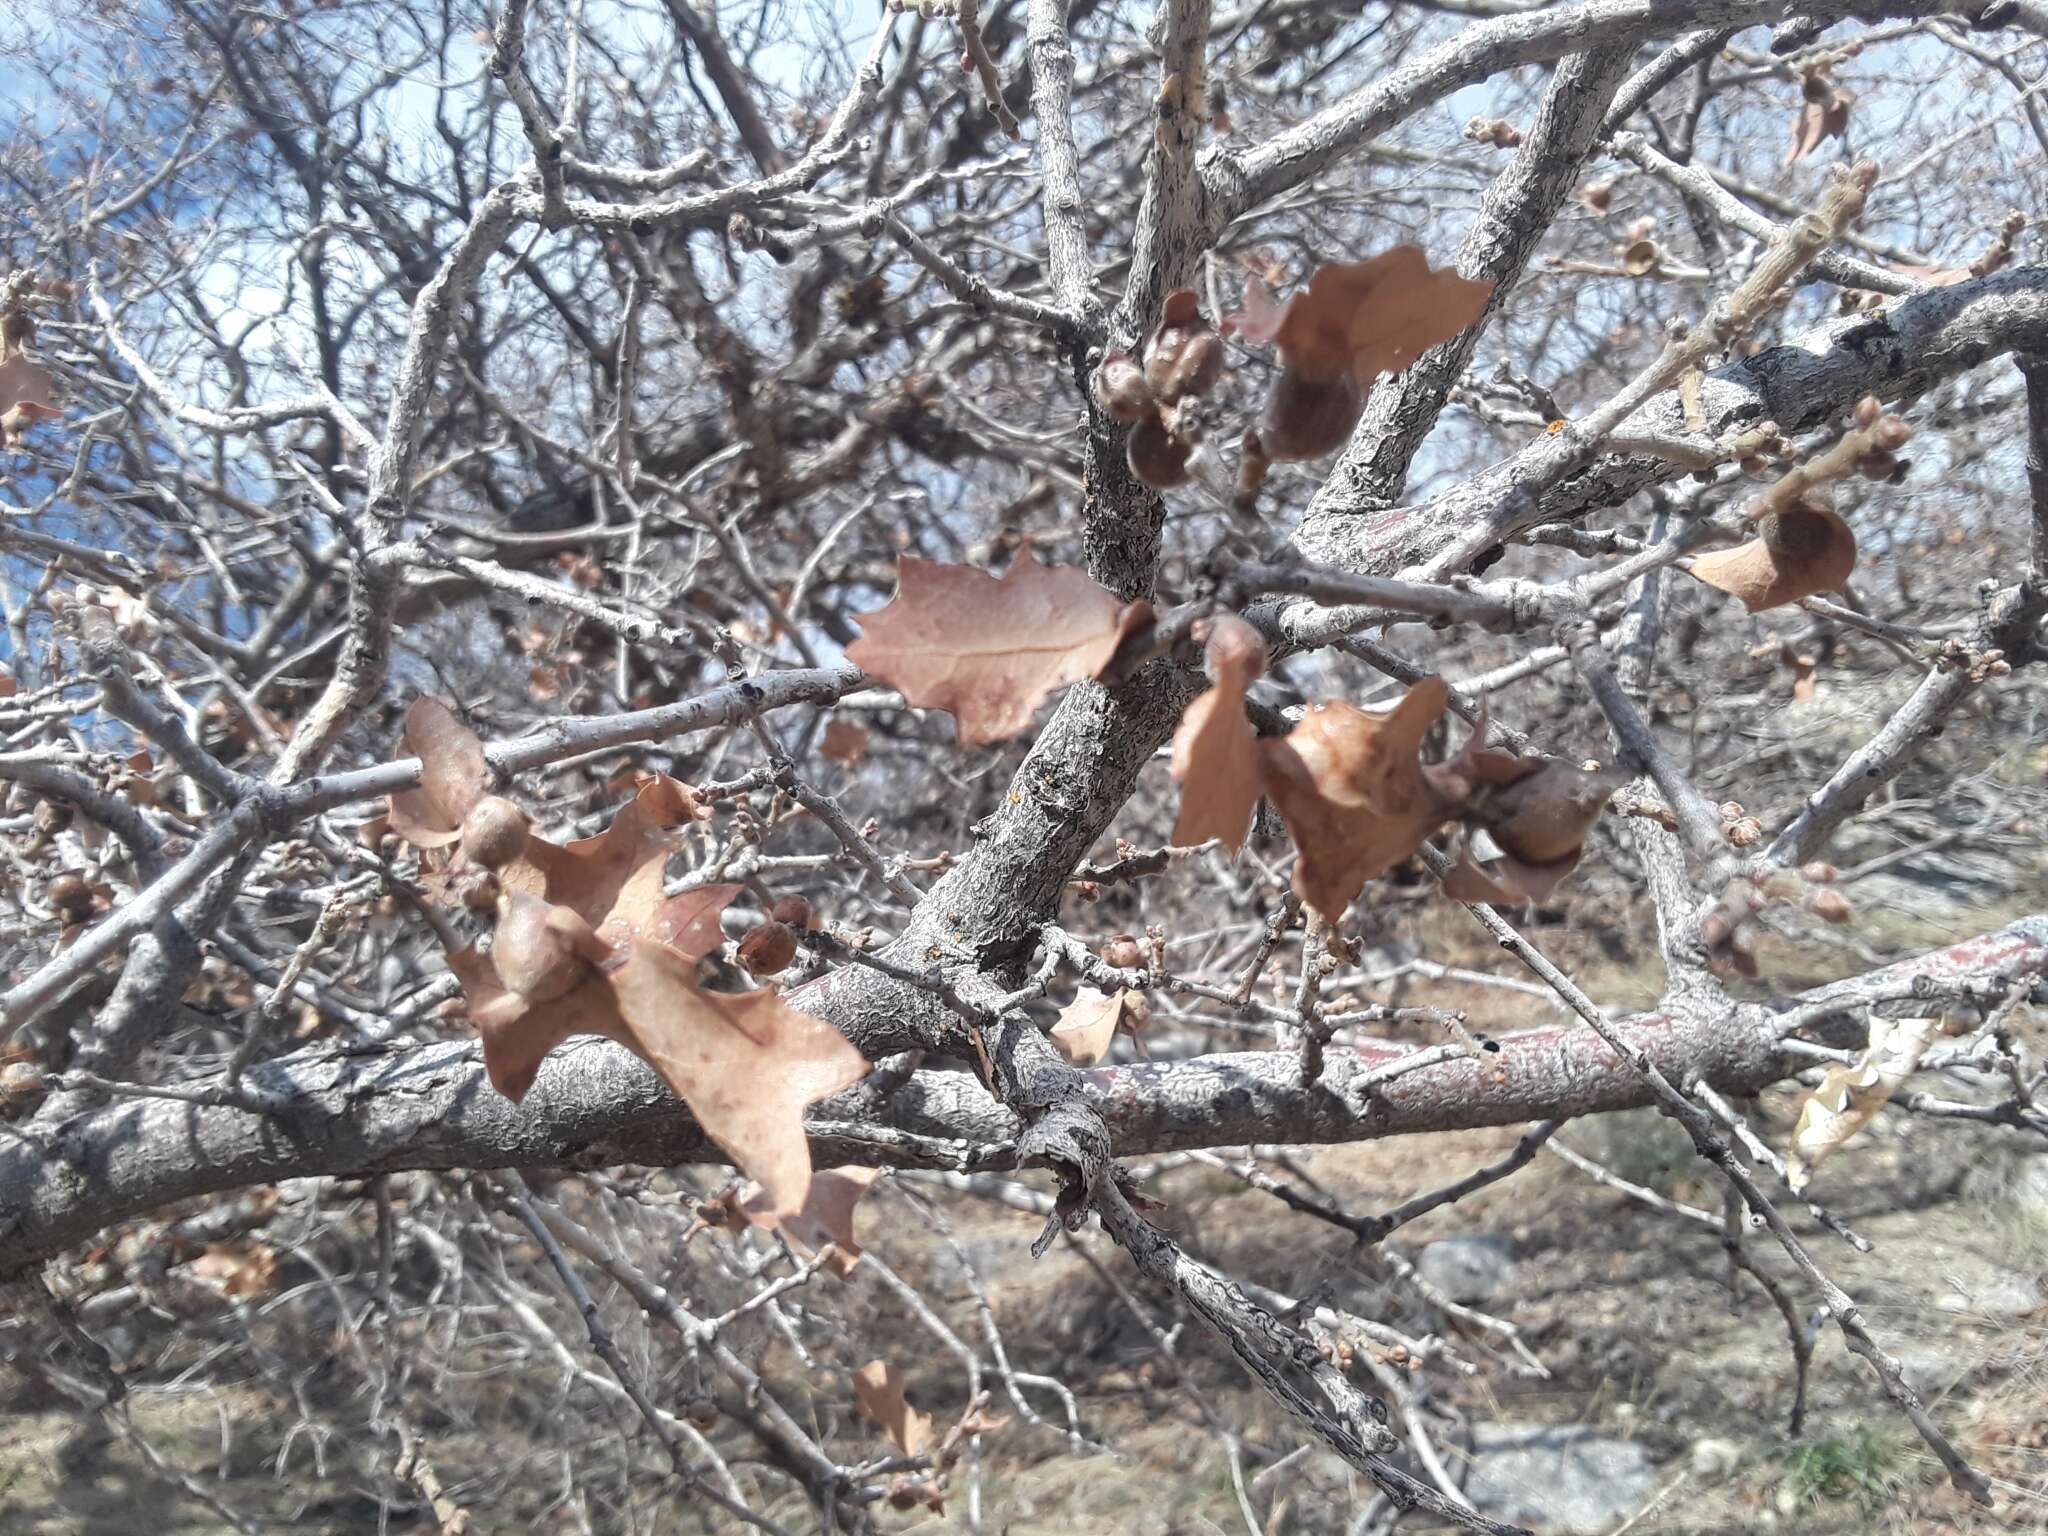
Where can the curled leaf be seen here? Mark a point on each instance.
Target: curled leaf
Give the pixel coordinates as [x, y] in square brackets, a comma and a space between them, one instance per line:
[1849, 1097]
[1797, 552]
[989, 649]
[1089, 1023]
[453, 776]
[1215, 750]
[1824, 114]
[878, 1386]
[1364, 318]
[26, 393]
[1352, 789]
[826, 1218]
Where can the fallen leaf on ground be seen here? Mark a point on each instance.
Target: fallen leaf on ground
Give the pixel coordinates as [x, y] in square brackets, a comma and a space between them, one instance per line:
[238, 1269]
[1352, 790]
[878, 1386]
[1215, 750]
[1798, 552]
[1850, 1096]
[989, 649]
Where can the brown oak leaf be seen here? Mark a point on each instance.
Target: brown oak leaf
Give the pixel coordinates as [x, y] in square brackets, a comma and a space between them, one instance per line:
[1803, 550]
[1215, 750]
[826, 1219]
[878, 1386]
[1089, 1023]
[989, 649]
[453, 776]
[1538, 814]
[1353, 792]
[26, 390]
[1824, 114]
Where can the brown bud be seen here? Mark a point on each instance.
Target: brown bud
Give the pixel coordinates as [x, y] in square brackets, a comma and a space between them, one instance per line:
[1157, 457]
[1597, 195]
[1830, 906]
[795, 911]
[494, 832]
[1184, 355]
[1868, 409]
[1122, 951]
[1818, 873]
[1305, 419]
[768, 948]
[70, 897]
[1744, 831]
[22, 1088]
[702, 1412]
[1121, 390]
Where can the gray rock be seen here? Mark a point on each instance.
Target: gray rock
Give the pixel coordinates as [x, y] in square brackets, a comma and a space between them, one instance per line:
[1571, 1481]
[1469, 1268]
[1933, 1366]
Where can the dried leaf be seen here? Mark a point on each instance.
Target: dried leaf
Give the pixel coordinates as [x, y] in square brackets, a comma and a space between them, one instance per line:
[1089, 1023]
[825, 1220]
[989, 649]
[1798, 552]
[1849, 1097]
[453, 776]
[26, 392]
[843, 742]
[1354, 794]
[879, 1388]
[1364, 318]
[1215, 750]
[1823, 115]
[246, 1268]
[747, 1064]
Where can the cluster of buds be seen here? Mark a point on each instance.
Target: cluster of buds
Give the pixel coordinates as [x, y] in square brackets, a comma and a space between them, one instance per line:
[1729, 930]
[1884, 436]
[1182, 361]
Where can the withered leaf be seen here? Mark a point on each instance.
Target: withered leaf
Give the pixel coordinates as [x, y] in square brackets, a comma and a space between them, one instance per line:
[1823, 114]
[843, 742]
[1364, 318]
[989, 649]
[1352, 790]
[1089, 1023]
[453, 776]
[26, 393]
[246, 1268]
[1215, 749]
[878, 1386]
[1803, 550]
[1850, 1096]
[825, 1220]
[746, 1063]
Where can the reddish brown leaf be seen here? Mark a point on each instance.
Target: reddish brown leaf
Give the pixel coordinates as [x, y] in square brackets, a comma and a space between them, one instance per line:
[826, 1217]
[843, 742]
[1364, 318]
[26, 392]
[879, 1388]
[1215, 750]
[989, 649]
[246, 1268]
[453, 776]
[1798, 552]
[1353, 792]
